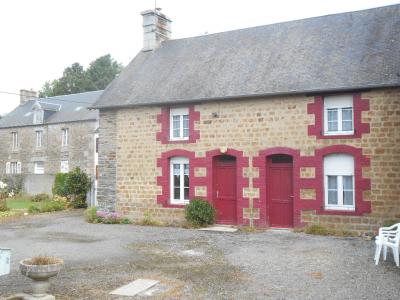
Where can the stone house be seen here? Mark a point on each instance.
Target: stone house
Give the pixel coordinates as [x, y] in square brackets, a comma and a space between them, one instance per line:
[280, 125]
[44, 136]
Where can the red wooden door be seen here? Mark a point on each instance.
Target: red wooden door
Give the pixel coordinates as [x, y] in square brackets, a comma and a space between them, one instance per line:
[224, 192]
[280, 193]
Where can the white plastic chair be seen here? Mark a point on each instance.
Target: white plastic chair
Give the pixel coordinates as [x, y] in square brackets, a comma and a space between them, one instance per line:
[388, 237]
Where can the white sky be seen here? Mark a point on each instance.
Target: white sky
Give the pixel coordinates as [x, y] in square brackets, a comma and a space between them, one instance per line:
[40, 38]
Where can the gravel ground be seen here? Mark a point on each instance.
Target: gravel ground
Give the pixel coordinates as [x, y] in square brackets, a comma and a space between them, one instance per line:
[196, 265]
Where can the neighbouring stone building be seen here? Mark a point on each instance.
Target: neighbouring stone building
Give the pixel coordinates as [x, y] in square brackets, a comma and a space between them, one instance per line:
[44, 136]
[280, 125]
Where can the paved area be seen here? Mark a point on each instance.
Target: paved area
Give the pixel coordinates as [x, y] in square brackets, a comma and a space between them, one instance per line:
[192, 264]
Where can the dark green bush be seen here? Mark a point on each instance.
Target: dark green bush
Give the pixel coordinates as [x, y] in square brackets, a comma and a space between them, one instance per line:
[78, 184]
[60, 185]
[40, 197]
[199, 213]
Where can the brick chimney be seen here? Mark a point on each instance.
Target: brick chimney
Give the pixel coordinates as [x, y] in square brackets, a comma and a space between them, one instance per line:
[156, 29]
[26, 95]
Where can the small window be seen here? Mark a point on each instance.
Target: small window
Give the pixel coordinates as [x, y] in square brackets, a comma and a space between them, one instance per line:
[39, 167]
[339, 182]
[64, 137]
[39, 139]
[179, 177]
[13, 167]
[38, 116]
[179, 124]
[15, 142]
[64, 168]
[338, 115]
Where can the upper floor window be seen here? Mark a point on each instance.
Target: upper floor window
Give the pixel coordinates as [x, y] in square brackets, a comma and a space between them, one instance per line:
[179, 124]
[39, 139]
[64, 168]
[179, 180]
[339, 182]
[39, 167]
[338, 115]
[64, 137]
[13, 167]
[15, 142]
[38, 116]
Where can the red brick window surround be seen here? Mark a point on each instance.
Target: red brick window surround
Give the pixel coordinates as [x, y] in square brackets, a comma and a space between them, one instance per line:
[359, 128]
[164, 119]
[164, 180]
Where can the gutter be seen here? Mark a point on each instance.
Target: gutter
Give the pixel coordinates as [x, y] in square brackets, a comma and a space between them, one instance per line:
[253, 96]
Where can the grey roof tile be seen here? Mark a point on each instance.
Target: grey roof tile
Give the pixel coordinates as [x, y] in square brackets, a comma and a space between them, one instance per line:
[73, 108]
[335, 52]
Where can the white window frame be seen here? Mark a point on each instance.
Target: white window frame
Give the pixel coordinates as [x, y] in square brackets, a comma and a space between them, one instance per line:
[181, 161]
[39, 139]
[38, 167]
[64, 137]
[64, 166]
[13, 167]
[338, 103]
[178, 112]
[38, 116]
[15, 141]
[339, 165]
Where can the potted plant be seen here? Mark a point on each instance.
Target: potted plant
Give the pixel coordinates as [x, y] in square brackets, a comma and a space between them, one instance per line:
[40, 269]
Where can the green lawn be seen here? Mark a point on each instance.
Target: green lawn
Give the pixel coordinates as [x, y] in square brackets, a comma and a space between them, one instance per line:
[19, 203]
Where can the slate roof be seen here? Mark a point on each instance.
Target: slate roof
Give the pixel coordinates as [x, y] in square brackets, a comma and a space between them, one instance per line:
[73, 108]
[344, 51]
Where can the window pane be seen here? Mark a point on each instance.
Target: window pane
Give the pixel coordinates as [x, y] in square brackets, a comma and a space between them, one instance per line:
[176, 126]
[177, 181]
[347, 114]
[348, 197]
[347, 125]
[186, 169]
[177, 169]
[185, 126]
[332, 119]
[332, 197]
[177, 193]
[186, 190]
[332, 182]
[186, 181]
[348, 183]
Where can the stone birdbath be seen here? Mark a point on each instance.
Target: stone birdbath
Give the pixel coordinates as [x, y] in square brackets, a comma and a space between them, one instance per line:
[40, 269]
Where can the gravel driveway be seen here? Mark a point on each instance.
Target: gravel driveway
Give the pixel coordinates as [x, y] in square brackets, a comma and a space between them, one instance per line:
[196, 265]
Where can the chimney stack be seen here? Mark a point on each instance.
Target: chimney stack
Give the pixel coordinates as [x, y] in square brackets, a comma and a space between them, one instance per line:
[156, 29]
[26, 95]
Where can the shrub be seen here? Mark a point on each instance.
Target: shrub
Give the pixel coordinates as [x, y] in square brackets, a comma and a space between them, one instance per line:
[3, 205]
[40, 197]
[91, 216]
[14, 183]
[199, 213]
[52, 206]
[78, 184]
[60, 185]
[33, 209]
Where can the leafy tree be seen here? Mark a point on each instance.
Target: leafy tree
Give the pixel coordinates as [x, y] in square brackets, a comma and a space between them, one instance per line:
[76, 79]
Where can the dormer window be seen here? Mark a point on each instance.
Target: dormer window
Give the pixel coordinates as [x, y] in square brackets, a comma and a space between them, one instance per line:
[38, 116]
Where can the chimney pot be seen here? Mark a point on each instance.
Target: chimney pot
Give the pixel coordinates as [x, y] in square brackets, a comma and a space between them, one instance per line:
[156, 29]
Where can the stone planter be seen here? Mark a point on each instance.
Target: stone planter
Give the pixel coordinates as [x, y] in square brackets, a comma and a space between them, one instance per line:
[40, 275]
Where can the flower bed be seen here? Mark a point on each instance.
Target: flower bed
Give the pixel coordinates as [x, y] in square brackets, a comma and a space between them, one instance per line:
[93, 215]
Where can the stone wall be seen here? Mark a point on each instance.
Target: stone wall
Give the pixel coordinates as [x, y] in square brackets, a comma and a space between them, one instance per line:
[129, 159]
[79, 152]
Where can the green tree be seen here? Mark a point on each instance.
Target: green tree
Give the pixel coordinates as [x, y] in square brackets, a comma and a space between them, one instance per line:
[76, 79]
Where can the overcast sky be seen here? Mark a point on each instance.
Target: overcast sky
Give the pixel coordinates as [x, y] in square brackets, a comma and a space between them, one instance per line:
[40, 38]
